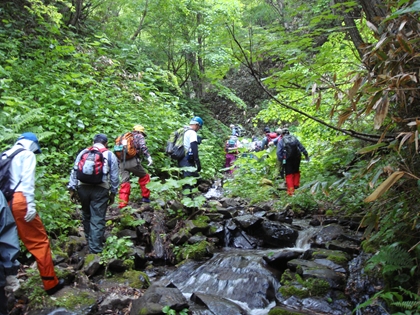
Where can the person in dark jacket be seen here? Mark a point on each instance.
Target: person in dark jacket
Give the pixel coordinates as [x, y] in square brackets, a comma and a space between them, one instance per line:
[95, 198]
[9, 250]
[290, 164]
[191, 157]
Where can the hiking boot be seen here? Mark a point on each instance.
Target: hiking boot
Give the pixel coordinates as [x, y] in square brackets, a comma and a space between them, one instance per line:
[57, 288]
[146, 200]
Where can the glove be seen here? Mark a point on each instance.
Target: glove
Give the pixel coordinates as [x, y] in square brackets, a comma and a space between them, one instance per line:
[149, 159]
[307, 158]
[198, 165]
[111, 199]
[30, 213]
[74, 197]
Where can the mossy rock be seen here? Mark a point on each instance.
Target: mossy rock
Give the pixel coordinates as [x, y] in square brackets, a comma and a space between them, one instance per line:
[136, 279]
[194, 251]
[278, 310]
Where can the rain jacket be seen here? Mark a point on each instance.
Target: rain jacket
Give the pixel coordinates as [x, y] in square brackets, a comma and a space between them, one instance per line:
[9, 242]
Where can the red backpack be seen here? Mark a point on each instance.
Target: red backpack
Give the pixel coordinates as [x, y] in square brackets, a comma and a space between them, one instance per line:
[91, 167]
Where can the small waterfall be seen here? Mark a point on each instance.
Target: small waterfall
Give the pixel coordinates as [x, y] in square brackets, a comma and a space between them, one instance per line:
[216, 191]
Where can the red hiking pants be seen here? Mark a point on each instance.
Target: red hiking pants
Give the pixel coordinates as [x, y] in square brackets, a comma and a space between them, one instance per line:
[292, 182]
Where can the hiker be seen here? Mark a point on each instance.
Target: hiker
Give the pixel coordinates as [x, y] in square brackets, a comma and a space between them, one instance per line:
[231, 150]
[191, 157]
[95, 195]
[236, 130]
[276, 140]
[268, 137]
[133, 166]
[9, 250]
[289, 153]
[30, 228]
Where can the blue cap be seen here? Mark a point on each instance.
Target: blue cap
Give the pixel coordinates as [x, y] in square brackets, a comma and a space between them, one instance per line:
[32, 137]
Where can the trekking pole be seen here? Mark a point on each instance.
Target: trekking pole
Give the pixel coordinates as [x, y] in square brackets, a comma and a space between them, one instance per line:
[124, 143]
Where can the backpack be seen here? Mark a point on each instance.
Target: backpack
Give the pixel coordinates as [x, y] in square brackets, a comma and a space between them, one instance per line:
[271, 136]
[175, 144]
[5, 181]
[290, 146]
[92, 166]
[124, 147]
[231, 144]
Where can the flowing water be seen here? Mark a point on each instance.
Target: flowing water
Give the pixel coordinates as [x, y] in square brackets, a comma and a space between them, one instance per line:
[241, 276]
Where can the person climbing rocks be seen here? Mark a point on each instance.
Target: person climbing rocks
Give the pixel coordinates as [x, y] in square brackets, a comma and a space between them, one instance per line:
[191, 157]
[30, 228]
[231, 152]
[268, 137]
[95, 193]
[289, 153]
[133, 166]
[9, 251]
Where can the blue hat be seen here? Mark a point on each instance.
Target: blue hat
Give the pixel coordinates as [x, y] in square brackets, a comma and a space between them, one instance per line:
[32, 137]
[197, 121]
[100, 137]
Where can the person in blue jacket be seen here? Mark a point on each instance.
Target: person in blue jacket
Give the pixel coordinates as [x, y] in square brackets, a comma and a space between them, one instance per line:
[9, 250]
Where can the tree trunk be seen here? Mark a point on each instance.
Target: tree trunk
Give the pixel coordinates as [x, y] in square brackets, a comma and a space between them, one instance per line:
[78, 5]
[375, 10]
[351, 28]
[143, 16]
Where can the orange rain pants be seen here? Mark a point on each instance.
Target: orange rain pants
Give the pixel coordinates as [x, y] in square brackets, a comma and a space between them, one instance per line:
[35, 239]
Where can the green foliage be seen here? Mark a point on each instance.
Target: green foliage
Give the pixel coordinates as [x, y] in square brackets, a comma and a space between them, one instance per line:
[396, 298]
[167, 310]
[116, 248]
[394, 263]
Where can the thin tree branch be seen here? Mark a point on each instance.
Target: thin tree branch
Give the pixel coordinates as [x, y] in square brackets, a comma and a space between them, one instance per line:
[249, 65]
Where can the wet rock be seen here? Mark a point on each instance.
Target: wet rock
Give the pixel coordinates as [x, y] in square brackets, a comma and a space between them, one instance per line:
[279, 260]
[92, 265]
[310, 269]
[195, 227]
[247, 221]
[196, 239]
[117, 265]
[275, 234]
[239, 276]
[327, 234]
[180, 237]
[344, 246]
[228, 213]
[229, 203]
[156, 298]
[140, 258]
[127, 233]
[217, 304]
[329, 264]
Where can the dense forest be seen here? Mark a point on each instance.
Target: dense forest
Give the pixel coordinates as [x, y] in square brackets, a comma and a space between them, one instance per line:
[342, 75]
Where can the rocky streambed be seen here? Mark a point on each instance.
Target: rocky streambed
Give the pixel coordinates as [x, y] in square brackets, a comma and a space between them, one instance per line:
[228, 257]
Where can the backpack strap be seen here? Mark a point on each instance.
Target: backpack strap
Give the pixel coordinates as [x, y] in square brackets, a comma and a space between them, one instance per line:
[11, 156]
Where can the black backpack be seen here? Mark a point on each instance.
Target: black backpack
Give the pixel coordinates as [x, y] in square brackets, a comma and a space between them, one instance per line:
[290, 145]
[175, 144]
[5, 165]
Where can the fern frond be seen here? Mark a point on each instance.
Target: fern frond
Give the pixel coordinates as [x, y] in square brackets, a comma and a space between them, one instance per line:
[392, 258]
[408, 305]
